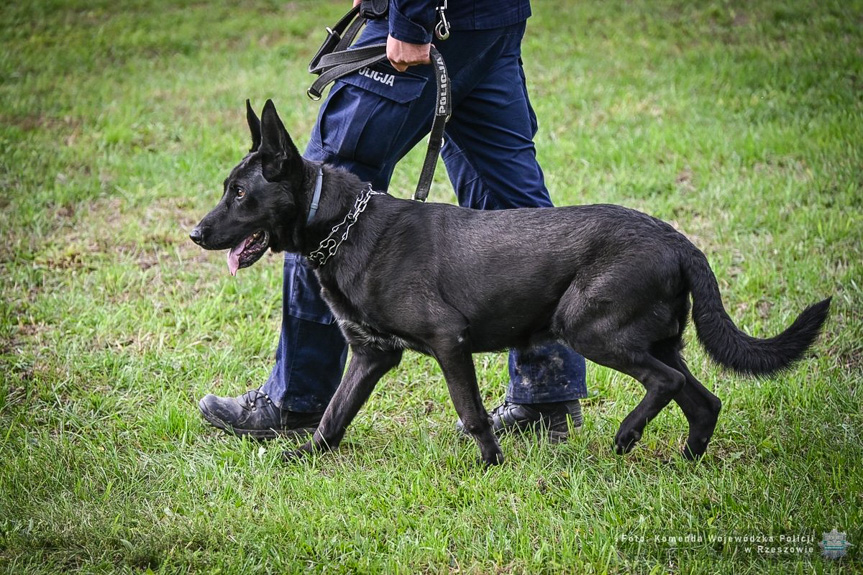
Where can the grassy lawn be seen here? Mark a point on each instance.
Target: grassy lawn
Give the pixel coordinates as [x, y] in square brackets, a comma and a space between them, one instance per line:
[741, 122]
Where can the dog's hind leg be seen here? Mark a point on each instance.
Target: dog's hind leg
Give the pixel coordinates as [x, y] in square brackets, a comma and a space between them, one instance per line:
[617, 337]
[456, 363]
[699, 405]
[662, 384]
[366, 368]
[701, 409]
[632, 323]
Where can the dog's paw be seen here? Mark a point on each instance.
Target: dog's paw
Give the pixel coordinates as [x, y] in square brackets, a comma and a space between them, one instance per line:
[293, 455]
[624, 442]
[492, 459]
[693, 453]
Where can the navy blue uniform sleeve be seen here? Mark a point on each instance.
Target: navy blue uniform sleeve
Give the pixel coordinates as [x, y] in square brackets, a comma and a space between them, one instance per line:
[412, 21]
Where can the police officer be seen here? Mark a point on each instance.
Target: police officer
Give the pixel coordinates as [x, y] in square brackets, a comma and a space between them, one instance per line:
[368, 122]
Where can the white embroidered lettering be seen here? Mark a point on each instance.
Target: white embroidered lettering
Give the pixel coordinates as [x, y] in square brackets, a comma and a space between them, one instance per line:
[443, 82]
[386, 79]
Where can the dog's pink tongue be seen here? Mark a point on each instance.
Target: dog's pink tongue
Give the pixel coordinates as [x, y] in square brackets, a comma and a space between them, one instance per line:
[234, 257]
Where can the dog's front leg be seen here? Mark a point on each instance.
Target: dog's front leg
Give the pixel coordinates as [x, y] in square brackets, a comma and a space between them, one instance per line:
[456, 363]
[365, 369]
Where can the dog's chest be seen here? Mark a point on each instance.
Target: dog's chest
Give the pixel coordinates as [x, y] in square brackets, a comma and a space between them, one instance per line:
[363, 334]
[356, 328]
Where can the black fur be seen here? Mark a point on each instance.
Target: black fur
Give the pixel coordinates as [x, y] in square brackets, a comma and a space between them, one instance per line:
[612, 283]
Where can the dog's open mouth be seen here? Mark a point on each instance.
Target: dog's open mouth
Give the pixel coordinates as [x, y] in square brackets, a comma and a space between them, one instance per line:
[248, 251]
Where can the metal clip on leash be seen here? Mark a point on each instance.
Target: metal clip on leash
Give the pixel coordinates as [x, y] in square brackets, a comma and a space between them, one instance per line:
[441, 31]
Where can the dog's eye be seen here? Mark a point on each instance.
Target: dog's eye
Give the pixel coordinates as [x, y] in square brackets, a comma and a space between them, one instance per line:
[240, 193]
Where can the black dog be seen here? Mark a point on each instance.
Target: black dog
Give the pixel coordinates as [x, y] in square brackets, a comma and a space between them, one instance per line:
[612, 283]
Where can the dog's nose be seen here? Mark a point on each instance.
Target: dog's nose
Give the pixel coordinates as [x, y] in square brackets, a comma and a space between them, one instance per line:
[197, 236]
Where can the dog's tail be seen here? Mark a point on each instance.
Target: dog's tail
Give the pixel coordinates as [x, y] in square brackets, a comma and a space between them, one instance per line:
[729, 346]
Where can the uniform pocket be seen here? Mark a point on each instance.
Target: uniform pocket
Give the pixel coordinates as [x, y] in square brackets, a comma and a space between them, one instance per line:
[366, 112]
[303, 292]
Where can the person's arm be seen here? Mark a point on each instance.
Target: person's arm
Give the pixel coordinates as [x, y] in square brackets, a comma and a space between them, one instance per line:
[410, 32]
[409, 40]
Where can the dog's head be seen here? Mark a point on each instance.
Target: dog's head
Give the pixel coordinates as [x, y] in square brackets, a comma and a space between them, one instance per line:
[260, 202]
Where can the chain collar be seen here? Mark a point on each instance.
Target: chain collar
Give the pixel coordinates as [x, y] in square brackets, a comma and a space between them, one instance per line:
[330, 244]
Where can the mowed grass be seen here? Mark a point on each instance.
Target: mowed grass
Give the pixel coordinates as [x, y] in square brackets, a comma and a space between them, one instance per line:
[741, 122]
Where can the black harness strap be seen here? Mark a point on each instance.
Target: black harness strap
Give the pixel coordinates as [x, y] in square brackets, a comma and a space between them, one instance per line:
[337, 39]
[331, 67]
[333, 60]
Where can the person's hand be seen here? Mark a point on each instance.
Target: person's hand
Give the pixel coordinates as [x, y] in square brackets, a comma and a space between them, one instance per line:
[402, 55]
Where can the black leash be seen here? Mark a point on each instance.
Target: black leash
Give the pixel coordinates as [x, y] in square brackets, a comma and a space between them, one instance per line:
[333, 60]
[443, 109]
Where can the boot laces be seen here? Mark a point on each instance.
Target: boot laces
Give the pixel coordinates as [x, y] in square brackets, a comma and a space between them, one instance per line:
[252, 399]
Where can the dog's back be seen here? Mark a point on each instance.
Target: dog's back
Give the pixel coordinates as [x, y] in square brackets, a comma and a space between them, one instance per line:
[522, 261]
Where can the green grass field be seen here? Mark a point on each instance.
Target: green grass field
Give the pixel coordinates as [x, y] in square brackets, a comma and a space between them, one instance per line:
[740, 122]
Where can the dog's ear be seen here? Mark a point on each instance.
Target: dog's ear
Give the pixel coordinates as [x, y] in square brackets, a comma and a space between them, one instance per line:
[279, 155]
[254, 127]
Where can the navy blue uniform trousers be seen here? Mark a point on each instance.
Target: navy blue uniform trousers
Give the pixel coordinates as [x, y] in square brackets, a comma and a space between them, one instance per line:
[368, 122]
